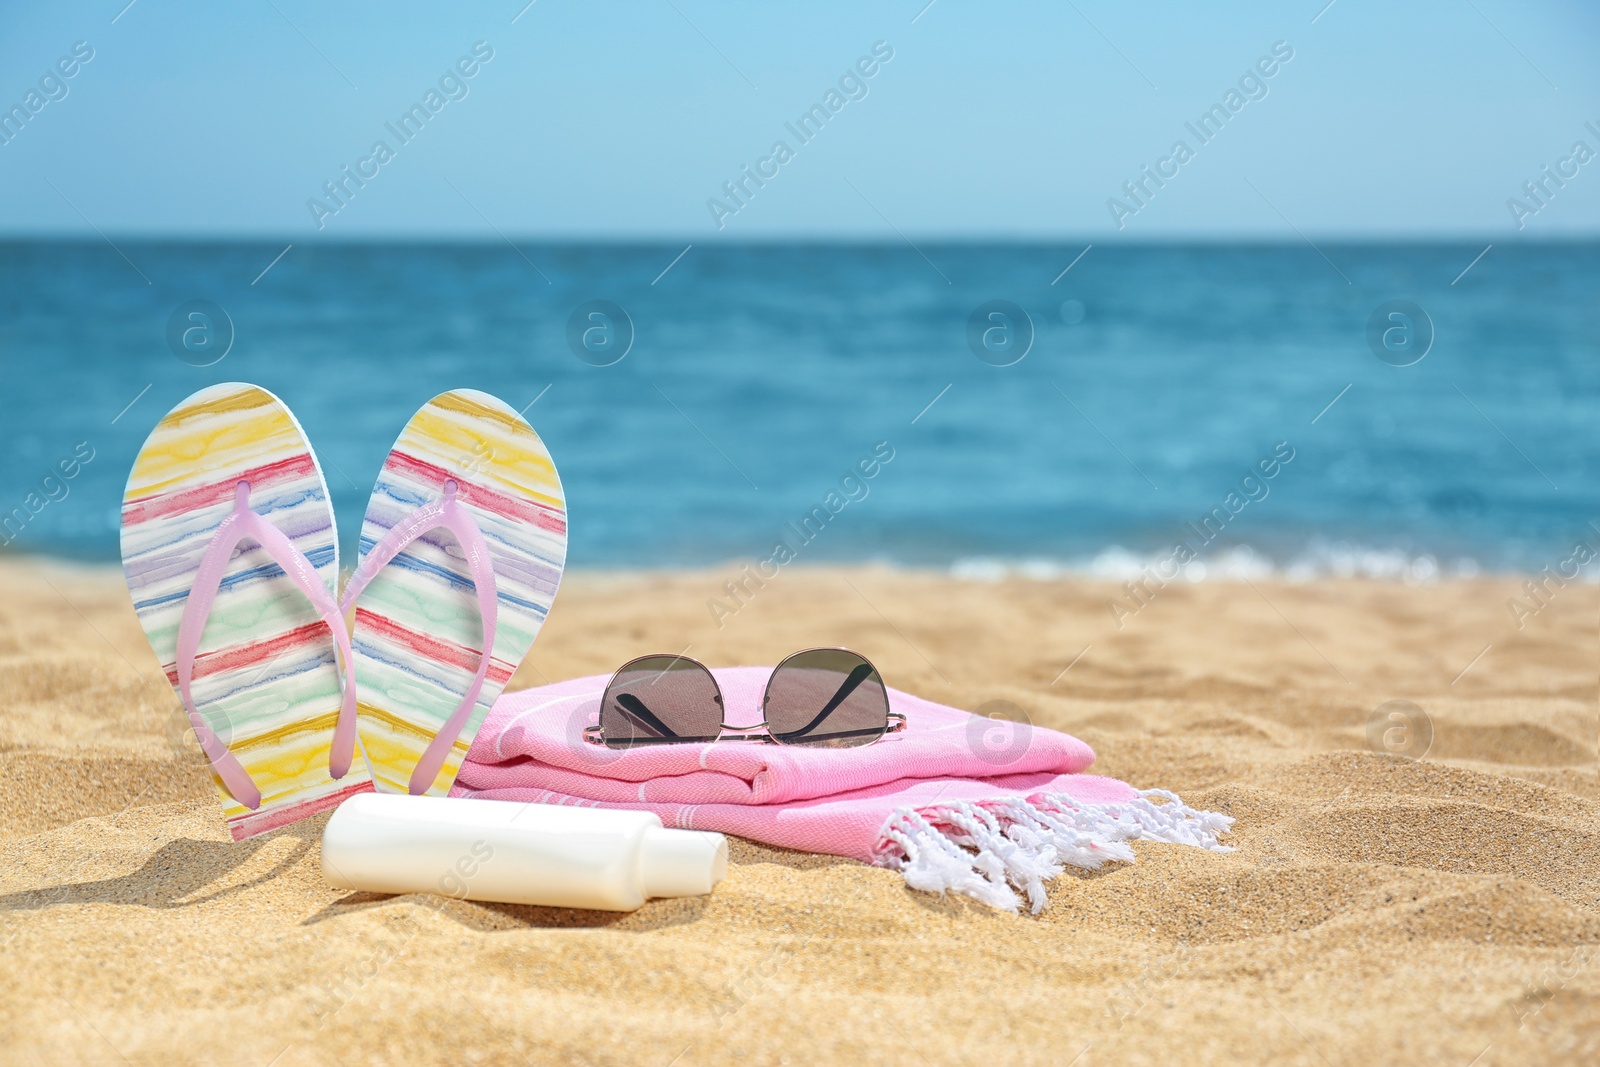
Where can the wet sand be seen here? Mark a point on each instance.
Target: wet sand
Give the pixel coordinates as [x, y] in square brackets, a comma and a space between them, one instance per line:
[1378, 909]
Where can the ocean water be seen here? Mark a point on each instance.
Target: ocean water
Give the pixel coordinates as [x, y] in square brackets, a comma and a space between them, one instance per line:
[1160, 385]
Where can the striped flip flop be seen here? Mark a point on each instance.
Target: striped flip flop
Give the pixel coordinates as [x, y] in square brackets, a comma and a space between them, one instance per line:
[231, 556]
[461, 551]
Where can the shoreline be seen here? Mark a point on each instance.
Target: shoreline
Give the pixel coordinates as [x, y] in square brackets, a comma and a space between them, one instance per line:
[1114, 565]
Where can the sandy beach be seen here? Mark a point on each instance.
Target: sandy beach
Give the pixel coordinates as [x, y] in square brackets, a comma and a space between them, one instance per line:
[1378, 909]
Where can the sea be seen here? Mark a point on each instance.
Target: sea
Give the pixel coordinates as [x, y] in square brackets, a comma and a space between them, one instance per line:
[1404, 411]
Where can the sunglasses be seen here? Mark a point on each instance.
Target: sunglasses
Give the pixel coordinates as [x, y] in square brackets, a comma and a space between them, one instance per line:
[819, 698]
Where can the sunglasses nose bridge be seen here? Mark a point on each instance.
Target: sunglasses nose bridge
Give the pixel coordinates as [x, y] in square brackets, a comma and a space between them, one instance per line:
[746, 728]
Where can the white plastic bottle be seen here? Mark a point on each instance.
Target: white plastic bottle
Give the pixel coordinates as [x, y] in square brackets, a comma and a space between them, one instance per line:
[516, 853]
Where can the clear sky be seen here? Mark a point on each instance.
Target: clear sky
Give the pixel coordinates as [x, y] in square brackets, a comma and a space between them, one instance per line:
[624, 119]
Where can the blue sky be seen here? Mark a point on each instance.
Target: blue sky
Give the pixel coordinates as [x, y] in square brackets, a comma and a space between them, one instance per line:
[622, 120]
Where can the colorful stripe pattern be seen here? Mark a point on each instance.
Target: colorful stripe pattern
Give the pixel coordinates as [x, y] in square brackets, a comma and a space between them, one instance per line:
[266, 678]
[418, 635]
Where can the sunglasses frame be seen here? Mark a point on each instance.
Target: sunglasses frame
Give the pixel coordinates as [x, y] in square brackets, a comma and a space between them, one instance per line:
[894, 722]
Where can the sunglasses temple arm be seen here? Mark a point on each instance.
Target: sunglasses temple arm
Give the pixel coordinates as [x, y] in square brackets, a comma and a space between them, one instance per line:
[635, 709]
[851, 682]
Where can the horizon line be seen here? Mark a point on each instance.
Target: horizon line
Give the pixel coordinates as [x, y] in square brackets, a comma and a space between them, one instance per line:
[1044, 241]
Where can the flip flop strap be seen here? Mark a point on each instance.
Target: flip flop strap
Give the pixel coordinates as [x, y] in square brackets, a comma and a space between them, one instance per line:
[240, 524]
[449, 514]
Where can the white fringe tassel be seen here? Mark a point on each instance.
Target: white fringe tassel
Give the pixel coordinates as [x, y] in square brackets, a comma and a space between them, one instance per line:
[983, 849]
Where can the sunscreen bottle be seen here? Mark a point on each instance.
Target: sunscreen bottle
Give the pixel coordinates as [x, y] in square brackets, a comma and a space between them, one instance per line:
[499, 850]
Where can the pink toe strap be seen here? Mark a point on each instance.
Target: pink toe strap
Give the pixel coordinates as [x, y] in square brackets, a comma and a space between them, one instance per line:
[244, 524]
[449, 514]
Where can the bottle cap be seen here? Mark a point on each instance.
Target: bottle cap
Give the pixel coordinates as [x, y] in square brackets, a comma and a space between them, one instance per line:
[681, 863]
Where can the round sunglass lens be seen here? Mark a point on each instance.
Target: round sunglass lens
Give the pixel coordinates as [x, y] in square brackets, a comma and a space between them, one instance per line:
[826, 698]
[661, 700]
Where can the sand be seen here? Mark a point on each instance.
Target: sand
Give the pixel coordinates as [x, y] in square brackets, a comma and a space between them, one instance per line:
[1378, 909]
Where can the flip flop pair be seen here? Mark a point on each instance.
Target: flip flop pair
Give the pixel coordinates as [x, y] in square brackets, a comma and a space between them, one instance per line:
[232, 559]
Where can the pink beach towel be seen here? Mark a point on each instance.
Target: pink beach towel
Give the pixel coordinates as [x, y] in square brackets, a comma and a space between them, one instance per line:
[955, 802]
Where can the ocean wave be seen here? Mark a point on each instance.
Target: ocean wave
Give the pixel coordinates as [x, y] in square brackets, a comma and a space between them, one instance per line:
[1243, 563]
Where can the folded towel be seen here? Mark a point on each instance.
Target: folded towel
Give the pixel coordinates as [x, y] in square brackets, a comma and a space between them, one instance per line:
[955, 802]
